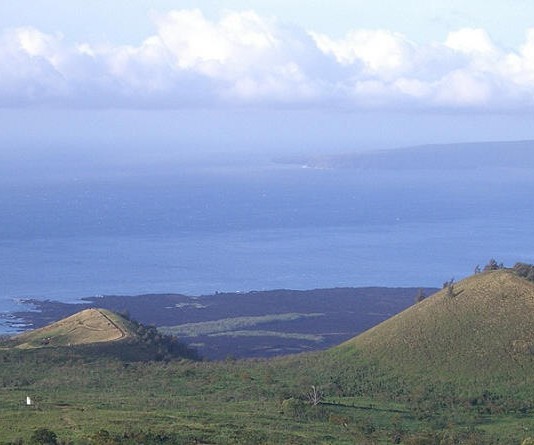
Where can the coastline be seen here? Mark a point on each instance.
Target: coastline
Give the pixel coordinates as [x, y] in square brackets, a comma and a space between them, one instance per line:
[243, 324]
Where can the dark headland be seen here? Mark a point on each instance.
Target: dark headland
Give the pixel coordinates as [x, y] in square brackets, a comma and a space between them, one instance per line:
[249, 324]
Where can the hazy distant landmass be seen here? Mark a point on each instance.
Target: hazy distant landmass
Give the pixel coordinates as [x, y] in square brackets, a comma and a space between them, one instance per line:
[459, 156]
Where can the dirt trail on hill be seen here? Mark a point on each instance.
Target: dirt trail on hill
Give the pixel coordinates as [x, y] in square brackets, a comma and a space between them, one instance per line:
[123, 333]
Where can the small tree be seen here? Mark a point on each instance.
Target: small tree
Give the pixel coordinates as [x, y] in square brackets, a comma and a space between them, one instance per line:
[524, 270]
[315, 396]
[493, 265]
[449, 286]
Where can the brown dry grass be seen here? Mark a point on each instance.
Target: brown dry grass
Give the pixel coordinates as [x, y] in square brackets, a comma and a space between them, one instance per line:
[87, 326]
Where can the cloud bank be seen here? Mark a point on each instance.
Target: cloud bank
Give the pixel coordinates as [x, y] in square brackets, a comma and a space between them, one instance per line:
[243, 59]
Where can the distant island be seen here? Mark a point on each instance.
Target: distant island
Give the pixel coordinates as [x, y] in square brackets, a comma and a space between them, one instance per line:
[459, 156]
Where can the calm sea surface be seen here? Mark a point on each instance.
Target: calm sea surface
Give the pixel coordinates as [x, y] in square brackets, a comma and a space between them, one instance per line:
[198, 231]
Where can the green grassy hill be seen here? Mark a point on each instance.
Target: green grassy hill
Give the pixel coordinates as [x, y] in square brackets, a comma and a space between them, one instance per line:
[461, 355]
[482, 325]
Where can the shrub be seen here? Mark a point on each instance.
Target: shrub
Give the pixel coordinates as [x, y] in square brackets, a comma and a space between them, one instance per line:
[493, 265]
[102, 437]
[43, 436]
[294, 408]
[524, 270]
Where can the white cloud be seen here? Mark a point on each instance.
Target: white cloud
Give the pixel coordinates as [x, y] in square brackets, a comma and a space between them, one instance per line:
[463, 88]
[29, 67]
[470, 41]
[519, 66]
[244, 58]
[413, 88]
[380, 53]
[249, 57]
[194, 42]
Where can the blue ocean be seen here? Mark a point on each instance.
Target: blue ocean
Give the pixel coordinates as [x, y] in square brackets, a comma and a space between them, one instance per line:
[197, 230]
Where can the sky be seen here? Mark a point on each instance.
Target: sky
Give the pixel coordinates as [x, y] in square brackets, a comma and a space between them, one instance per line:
[173, 79]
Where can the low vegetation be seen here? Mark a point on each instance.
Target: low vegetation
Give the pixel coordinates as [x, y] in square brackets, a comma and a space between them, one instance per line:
[231, 324]
[106, 401]
[446, 371]
[524, 270]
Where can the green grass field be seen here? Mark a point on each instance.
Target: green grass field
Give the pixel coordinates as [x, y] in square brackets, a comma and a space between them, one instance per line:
[236, 402]
[394, 384]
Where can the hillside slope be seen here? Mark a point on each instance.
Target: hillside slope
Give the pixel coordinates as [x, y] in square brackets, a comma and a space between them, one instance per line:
[93, 334]
[483, 326]
[85, 327]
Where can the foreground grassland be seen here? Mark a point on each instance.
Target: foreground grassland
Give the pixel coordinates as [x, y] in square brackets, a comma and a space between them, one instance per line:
[457, 368]
[104, 400]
